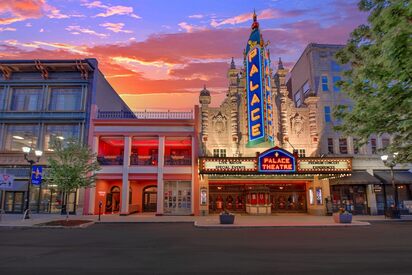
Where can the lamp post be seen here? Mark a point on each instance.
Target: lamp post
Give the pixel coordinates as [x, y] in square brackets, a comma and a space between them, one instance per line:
[38, 154]
[390, 161]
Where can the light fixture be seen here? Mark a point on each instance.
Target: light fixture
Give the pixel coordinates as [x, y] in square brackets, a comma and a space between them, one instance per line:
[26, 149]
[18, 137]
[38, 153]
[60, 137]
[384, 157]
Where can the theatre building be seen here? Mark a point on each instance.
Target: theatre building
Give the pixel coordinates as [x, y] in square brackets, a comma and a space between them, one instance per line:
[269, 147]
[147, 163]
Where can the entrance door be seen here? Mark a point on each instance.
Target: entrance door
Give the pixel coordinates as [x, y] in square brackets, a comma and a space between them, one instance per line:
[150, 199]
[14, 202]
[178, 198]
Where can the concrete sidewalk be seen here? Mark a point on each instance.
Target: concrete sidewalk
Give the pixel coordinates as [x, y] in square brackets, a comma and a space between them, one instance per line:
[212, 221]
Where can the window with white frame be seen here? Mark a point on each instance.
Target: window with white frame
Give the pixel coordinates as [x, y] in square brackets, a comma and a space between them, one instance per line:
[301, 153]
[219, 153]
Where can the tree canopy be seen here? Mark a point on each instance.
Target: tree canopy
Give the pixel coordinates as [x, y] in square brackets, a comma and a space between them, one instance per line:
[379, 80]
[72, 166]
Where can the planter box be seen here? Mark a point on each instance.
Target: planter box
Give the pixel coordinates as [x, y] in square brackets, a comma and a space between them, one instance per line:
[342, 218]
[227, 219]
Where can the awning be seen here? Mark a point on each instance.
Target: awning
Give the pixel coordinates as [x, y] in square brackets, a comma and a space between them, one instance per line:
[401, 177]
[357, 177]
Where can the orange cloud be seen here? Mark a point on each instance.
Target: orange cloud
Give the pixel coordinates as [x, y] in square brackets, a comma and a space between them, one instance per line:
[20, 10]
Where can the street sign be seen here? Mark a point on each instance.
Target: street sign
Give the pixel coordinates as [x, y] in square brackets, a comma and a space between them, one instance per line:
[6, 181]
[36, 174]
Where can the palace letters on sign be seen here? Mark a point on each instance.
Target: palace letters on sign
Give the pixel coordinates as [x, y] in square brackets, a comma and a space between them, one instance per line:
[276, 160]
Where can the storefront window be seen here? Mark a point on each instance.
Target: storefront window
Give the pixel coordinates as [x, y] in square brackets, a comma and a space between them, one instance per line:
[19, 136]
[144, 151]
[26, 99]
[66, 99]
[110, 150]
[177, 197]
[62, 133]
[178, 151]
[351, 198]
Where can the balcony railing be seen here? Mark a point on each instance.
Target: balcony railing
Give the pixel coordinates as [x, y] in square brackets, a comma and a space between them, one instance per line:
[110, 160]
[143, 160]
[144, 115]
[178, 160]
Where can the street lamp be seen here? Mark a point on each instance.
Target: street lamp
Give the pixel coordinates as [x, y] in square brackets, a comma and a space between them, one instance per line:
[390, 161]
[38, 154]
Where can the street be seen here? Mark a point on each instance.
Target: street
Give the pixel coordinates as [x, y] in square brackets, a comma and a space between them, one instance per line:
[121, 248]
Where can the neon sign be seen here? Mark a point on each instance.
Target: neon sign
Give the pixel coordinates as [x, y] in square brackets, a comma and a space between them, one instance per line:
[276, 160]
[254, 96]
[268, 100]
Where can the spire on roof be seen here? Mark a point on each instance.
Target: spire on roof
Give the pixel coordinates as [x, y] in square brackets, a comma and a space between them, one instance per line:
[232, 64]
[255, 24]
[280, 64]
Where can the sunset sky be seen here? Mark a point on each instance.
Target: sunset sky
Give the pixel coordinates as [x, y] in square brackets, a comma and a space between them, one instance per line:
[160, 53]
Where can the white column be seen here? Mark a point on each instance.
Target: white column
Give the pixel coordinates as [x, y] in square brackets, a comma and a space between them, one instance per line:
[125, 176]
[160, 184]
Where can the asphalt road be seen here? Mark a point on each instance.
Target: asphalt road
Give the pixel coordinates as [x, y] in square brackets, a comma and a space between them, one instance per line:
[181, 248]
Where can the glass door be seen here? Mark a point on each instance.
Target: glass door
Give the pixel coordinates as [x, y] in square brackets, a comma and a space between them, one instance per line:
[178, 198]
[150, 199]
[14, 202]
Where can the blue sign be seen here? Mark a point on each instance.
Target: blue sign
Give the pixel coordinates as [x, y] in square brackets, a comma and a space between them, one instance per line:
[255, 109]
[276, 160]
[268, 101]
[36, 175]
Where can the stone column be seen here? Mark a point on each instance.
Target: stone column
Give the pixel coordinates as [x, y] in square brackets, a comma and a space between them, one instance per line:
[160, 184]
[91, 192]
[124, 210]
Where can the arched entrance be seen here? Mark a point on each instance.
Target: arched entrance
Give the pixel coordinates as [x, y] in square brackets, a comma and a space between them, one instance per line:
[150, 199]
[113, 200]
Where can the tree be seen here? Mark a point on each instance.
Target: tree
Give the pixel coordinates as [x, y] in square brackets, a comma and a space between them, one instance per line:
[71, 167]
[379, 80]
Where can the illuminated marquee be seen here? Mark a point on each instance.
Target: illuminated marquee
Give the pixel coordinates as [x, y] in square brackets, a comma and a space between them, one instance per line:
[228, 165]
[276, 160]
[268, 100]
[254, 96]
[334, 165]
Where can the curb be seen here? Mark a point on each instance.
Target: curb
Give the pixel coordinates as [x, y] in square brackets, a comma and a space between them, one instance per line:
[235, 226]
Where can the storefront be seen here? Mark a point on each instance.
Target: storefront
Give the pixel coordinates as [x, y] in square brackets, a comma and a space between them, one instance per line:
[275, 181]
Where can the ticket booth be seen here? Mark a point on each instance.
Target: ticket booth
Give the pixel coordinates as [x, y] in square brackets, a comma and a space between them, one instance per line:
[258, 201]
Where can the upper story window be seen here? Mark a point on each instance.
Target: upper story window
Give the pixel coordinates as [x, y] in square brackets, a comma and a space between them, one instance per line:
[335, 67]
[301, 153]
[355, 146]
[325, 84]
[62, 133]
[385, 142]
[328, 116]
[144, 151]
[19, 136]
[306, 88]
[2, 97]
[336, 79]
[178, 151]
[26, 99]
[219, 153]
[298, 99]
[66, 99]
[110, 150]
[373, 146]
[330, 146]
[343, 145]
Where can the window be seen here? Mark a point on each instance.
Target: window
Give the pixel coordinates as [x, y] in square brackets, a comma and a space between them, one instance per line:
[355, 146]
[335, 67]
[26, 99]
[66, 99]
[19, 136]
[306, 88]
[330, 146]
[110, 151]
[336, 79]
[2, 97]
[325, 86]
[145, 151]
[301, 153]
[298, 99]
[219, 153]
[385, 142]
[343, 146]
[373, 145]
[60, 133]
[178, 150]
[319, 196]
[328, 117]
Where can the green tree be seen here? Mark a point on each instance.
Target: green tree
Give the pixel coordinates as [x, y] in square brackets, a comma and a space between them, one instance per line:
[71, 167]
[379, 80]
